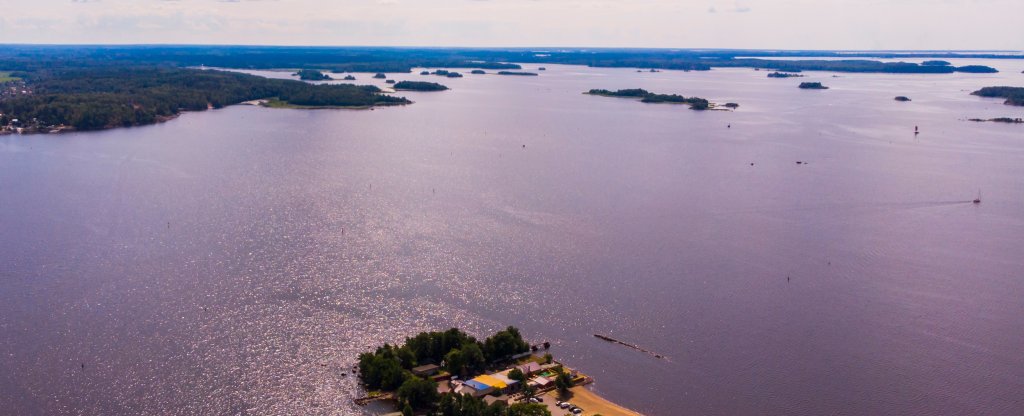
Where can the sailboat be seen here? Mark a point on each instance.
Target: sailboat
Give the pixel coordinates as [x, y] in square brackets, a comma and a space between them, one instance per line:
[978, 199]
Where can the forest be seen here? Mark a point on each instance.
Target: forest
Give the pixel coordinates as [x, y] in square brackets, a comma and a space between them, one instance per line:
[104, 97]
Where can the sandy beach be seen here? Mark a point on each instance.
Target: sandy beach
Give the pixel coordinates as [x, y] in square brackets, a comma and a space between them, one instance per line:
[591, 403]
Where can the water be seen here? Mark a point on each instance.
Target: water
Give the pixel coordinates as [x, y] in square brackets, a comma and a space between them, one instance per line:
[236, 261]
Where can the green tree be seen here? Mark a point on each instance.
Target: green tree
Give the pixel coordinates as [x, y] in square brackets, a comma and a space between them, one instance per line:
[418, 393]
[527, 409]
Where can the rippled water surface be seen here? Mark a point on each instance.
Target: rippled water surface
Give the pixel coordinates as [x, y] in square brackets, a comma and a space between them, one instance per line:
[235, 261]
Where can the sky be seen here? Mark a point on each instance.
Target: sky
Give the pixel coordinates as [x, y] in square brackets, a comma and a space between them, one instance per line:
[754, 24]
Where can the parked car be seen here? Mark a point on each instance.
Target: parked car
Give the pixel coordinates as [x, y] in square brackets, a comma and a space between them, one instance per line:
[565, 405]
[534, 400]
[576, 410]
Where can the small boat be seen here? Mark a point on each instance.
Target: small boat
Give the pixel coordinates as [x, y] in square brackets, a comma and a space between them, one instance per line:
[978, 199]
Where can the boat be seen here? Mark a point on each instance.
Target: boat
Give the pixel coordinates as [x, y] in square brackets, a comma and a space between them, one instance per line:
[978, 199]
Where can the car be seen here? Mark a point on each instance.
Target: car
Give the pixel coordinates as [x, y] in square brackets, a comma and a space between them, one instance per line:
[564, 405]
[539, 399]
[534, 400]
[576, 410]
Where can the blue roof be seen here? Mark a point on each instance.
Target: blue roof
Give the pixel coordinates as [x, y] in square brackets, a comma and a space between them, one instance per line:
[476, 385]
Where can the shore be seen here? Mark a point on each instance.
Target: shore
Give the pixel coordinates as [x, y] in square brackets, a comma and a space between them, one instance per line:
[592, 403]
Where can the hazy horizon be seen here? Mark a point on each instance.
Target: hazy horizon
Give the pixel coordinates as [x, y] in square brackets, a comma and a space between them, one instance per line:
[706, 24]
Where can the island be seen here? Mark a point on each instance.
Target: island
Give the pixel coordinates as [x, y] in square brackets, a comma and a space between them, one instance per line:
[1013, 95]
[419, 86]
[478, 72]
[812, 86]
[731, 105]
[1009, 120]
[453, 373]
[936, 63]
[783, 75]
[424, 72]
[446, 73]
[350, 77]
[390, 81]
[902, 98]
[312, 75]
[542, 69]
[380, 75]
[527, 74]
[645, 96]
[107, 97]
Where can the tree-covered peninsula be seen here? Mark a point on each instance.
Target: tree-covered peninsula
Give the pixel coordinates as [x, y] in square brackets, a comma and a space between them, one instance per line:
[393, 368]
[645, 96]
[104, 97]
[1013, 95]
[419, 86]
[519, 73]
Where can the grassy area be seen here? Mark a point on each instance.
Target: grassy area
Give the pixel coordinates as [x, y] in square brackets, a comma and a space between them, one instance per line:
[5, 76]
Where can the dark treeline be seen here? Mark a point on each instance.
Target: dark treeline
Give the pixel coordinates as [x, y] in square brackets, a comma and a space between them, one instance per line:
[419, 86]
[528, 74]
[465, 405]
[696, 103]
[1013, 95]
[103, 97]
[380, 59]
[388, 367]
[334, 59]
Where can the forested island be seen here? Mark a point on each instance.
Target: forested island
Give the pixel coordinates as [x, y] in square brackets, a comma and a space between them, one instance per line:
[312, 75]
[812, 86]
[104, 97]
[645, 96]
[419, 86]
[527, 74]
[784, 75]
[1013, 95]
[902, 98]
[477, 72]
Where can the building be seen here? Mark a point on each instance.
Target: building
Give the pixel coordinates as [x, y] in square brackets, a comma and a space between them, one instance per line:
[474, 388]
[426, 370]
[529, 368]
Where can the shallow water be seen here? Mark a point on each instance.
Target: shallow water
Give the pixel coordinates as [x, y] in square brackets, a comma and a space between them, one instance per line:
[236, 261]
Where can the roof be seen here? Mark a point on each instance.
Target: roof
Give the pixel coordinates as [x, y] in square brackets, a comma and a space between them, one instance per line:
[541, 381]
[491, 381]
[425, 368]
[530, 367]
[503, 377]
[476, 385]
